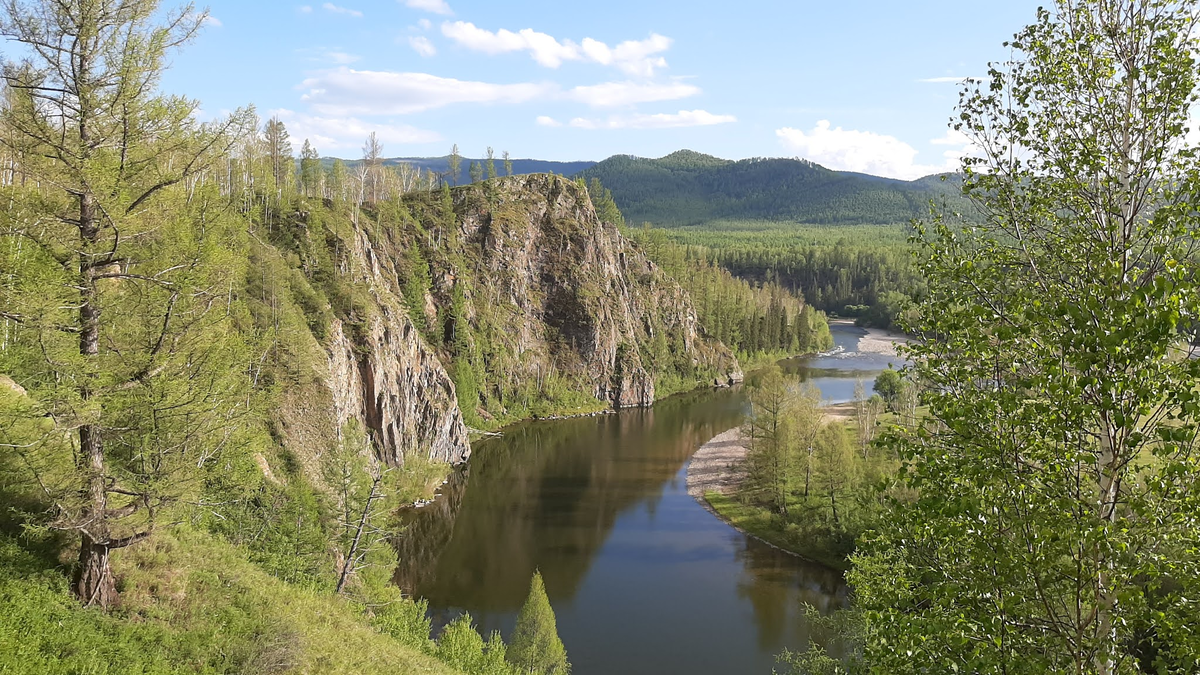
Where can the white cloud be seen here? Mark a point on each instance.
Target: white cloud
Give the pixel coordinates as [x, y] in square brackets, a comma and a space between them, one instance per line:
[632, 56]
[635, 57]
[327, 56]
[615, 94]
[363, 92]
[684, 118]
[304, 9]
[869, 152]
[212, 21]
[425, 24]
[331, 134]
[422, 46]
[336, 9]
[435, 6]
[544, 121]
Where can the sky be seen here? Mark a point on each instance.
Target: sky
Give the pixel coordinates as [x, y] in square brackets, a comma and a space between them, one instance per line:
[853, 85]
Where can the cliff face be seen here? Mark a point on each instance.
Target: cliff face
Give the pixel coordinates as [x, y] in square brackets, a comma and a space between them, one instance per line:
[382, 373]
[509, 298]
[577, 298]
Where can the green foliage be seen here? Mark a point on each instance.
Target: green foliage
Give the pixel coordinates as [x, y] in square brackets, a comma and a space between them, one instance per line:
[461, 646]
[1056, 522]
[889, 385]
[535, 646]
[752, 320]
[686, 188]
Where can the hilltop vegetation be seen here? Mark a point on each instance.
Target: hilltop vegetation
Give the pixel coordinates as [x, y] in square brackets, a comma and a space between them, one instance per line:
[689, 188]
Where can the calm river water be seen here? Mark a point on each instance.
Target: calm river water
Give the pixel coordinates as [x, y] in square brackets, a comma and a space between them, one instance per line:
[641, 577]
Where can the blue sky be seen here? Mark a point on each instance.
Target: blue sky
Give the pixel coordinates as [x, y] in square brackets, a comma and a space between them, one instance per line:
[854, 85]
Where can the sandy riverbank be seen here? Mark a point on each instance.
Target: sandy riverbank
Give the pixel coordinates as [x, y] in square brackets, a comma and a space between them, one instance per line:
[717, 466]
[876, 341]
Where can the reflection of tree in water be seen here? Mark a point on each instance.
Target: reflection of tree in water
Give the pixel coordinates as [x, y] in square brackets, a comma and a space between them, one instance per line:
[545, 495]
[779, 616]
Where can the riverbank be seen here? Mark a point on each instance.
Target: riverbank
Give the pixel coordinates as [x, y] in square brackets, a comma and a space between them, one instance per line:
[877, 340]
[713, 476]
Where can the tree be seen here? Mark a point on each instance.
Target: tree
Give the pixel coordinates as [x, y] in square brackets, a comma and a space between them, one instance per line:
[279, 153]
[508, 165]
[836, 467]
[475, 171]
[120, 293]
[770, 444]
[310, 169]
[490, 170]
[889, 385]
[535, 646]
[372, 164]
[1057, 468]
[455, 162]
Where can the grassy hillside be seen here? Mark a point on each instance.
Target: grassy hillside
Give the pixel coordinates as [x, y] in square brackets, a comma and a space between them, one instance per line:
[687, 188]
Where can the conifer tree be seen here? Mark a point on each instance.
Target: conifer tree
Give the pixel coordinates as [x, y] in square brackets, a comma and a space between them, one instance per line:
[508, 165]
[476, 172]
[490, 170]
[310, 169]
[535, 646]
[121, 293]
[455, 163]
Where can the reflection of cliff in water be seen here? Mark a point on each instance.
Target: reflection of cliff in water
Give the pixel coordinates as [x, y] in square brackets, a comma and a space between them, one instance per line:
[546, 495]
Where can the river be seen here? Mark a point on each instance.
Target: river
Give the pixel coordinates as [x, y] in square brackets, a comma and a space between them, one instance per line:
[641, 577]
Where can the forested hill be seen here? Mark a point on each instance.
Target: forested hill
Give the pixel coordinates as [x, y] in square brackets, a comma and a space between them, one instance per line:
[687, 187]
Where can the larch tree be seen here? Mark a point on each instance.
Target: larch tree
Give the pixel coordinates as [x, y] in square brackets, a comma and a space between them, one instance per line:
[1057, 469]
[508, 165]
[535, 646]
[455, 164]
[310, 169]
[120, 290]
[490, 170]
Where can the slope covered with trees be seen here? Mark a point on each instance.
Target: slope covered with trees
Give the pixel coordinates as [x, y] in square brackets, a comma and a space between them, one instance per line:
[688, 188]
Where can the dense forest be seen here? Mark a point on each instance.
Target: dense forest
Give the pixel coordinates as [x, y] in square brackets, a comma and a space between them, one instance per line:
[687, 188]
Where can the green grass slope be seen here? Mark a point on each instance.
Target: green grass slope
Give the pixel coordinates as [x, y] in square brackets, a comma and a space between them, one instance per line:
[191, 604]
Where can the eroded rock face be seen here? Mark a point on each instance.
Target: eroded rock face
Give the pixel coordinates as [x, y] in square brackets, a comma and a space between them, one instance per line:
[582, 298]
[396, 387]
[384, 375]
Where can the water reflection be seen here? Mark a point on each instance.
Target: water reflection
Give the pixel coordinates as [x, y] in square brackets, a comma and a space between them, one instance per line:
[643, 580]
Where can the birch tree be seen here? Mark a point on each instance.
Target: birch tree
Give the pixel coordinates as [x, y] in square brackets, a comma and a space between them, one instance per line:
[1057, 470]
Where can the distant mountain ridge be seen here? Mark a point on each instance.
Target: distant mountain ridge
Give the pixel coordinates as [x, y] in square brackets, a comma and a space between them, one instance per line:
[687, 188]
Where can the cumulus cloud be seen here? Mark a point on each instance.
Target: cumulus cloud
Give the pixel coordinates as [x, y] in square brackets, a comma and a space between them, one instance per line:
[616, 94]
[304, 9]
[331, 134]
[683, 118]
[435, 6]
[425, 24]
[337, 9]
[544, 121]
[349, 92]
[212, 21]
[869, 152]
[635, 57]
[422, 46]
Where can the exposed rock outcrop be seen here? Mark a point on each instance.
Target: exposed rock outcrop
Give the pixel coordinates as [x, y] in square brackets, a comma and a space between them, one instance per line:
[578, 297]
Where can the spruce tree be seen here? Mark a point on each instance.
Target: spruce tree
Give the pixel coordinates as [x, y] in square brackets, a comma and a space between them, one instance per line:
[535, 646]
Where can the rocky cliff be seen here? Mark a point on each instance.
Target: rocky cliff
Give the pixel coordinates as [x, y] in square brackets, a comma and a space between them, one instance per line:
[493, 302]
[557, 298]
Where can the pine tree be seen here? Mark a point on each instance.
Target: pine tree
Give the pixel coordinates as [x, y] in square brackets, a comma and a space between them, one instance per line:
[491, 163]
[476, 172]
[535, 646]
[508, 165]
